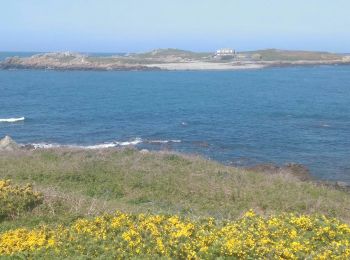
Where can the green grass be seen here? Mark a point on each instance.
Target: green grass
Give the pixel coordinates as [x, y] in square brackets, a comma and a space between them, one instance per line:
[82, 183]
[286, 55]
[161, 53]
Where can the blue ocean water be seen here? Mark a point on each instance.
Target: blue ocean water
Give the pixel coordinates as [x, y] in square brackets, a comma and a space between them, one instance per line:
[279, 115]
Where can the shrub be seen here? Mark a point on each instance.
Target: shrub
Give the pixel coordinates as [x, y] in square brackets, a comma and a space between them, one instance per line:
[286, 236]
[15, 200]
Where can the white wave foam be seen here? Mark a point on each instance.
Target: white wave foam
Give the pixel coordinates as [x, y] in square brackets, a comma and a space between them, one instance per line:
[134, 142]
[92, 147]
[45, 145]
[11, 120]
[98, 146]
[163, 141]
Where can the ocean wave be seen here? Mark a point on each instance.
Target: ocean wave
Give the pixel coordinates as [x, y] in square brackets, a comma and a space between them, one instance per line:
[135, 141]
[98, 146]
[163, 141]
[11, 120]
[44, 145]
[106, 145]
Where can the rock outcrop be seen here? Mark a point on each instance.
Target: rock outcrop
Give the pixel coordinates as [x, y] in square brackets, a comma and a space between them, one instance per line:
[71, 61]
[7, 144]
[295, 169]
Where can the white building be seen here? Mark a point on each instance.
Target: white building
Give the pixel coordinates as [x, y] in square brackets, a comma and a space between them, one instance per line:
[225, 52]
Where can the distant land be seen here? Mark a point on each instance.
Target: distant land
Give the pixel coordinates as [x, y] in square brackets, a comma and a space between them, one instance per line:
[175, 59]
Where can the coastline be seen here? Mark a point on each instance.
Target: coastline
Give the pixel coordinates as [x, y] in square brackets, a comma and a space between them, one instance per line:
[206, 66]
[180, 66]
[299, 171]
[71, 189]
[167, 179]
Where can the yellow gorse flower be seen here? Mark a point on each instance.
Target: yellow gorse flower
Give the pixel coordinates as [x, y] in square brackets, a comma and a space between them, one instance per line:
[15, 200]
[286, 236]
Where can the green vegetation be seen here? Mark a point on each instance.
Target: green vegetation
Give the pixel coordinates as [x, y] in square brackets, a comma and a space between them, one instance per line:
[15, 200]
[155, 56]
[162, 53]
[148, 236]
[285, 55]
[172, 206]
[81, 183]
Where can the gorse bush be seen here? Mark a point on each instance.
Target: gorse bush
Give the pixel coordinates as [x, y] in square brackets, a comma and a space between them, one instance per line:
[286, 236]
[15, 200]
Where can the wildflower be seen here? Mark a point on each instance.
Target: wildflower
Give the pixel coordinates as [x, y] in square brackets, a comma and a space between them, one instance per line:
[286, 236]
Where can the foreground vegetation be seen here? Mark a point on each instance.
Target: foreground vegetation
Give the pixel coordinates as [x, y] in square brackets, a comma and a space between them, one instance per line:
[16, 200]
[153, 236]
[173, 205]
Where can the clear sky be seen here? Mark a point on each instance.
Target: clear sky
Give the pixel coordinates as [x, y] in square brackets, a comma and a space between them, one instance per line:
[201, 25]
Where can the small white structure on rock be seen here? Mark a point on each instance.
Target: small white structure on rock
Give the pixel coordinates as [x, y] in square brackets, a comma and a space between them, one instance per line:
[225, 52]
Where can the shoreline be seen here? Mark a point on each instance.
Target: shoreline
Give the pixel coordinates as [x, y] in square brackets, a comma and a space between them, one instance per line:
[193, 66]
[299, 171]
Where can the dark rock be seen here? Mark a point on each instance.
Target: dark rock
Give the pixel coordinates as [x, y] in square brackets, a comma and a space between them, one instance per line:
[299, 170]
[296, 169]
[28, 147]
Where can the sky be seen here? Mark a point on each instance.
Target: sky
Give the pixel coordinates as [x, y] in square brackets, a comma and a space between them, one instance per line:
[198, 25]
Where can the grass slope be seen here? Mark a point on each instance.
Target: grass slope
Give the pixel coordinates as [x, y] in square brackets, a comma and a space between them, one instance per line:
[81, 183]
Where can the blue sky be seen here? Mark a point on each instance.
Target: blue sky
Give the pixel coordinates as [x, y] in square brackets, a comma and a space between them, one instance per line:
[201, 25]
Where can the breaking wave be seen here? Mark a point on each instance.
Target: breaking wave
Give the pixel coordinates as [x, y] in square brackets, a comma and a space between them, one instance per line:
[163, 141]
[106, 145]
[11, 120]
[135, 141]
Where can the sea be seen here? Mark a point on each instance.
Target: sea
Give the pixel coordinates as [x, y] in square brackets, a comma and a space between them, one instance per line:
[241, 118]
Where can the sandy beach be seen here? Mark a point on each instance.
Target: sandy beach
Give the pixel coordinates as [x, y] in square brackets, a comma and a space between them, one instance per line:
[205, 66]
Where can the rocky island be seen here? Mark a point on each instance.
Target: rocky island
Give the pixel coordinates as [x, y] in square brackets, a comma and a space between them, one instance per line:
[174, 59]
